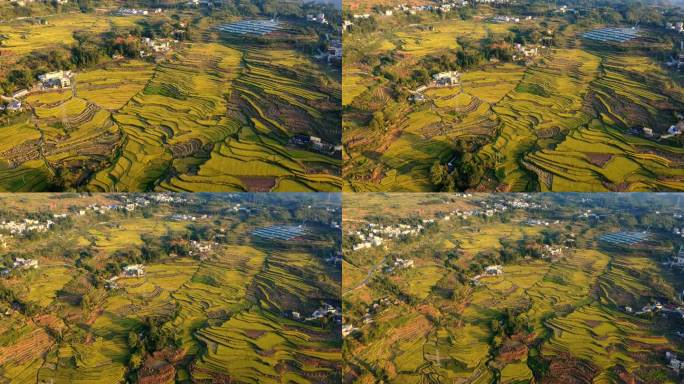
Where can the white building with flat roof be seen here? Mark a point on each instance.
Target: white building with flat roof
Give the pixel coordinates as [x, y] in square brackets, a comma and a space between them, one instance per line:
[449, 78]
[134, 270]
[57, 79]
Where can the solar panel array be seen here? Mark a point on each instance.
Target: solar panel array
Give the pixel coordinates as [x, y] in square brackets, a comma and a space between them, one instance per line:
[251, 27]
[624, 238]
[280, 232]
[619, 35]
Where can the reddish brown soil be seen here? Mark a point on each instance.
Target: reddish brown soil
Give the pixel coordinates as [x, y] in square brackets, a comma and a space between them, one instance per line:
[258, 183]
[565, 369]
[254, 334]
[598, 159]
[34, 344]
[156, 372]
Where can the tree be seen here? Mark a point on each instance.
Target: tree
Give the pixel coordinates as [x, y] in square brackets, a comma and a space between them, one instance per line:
[535, 36]
[21, 78]
[133, 340]
[84, 5]
[420, 76]
[166, 29]
[468, 172]
[465, 13]
[471, 174]
[438, 174]
[86, 54]
[31, 308]
[135, 360]
[612, 16]
[248, 9]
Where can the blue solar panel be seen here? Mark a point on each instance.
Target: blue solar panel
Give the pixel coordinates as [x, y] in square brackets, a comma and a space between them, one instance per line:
[627, 238]
[619, 35]
[280, 232]
[251, 27]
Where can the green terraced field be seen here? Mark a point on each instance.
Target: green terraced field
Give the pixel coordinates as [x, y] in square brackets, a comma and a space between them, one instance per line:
[569, 121]
[219, 314]
[216, 116]
[546, 318]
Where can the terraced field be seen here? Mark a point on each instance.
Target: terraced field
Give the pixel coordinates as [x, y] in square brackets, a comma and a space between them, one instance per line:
[266, 107]
[24, 37]
[215, 117]
[570, 122]
[600, 156]
[68, 137]
[428, 132]
[533, 112]
[226, 312]
[429, 324]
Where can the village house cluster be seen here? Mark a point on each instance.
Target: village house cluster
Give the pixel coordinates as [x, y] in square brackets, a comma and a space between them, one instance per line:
[398, 264]
[326, 310]
[46, 81]
[539, 222]
[675, 129]
[169, 198]
[238, 208]
[676, 26]
[26, 225]
[372, 310]
[331, 55]
[656, 307]
[20, 263]
[201, 249]
[137, 12]
[441, 79]
[134, 270]
[553, 251]
[523, 202]
[489, 271]
[129, 271]
[315, 143]
[156, 48]
[128, 203]
[500, 19]
[490, 209]
[446, 6]
[182, 217]
[563, 9]
[527, 53]
[587, 215]
[673, 362]
[57, 79]
[24, 3]
[99, 209]
[446, 79]
[677, 260]
[317, 18]
[374, 235]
